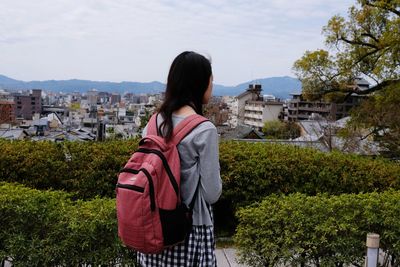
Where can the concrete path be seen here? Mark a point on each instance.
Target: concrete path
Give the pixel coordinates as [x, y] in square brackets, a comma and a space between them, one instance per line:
[226, 257]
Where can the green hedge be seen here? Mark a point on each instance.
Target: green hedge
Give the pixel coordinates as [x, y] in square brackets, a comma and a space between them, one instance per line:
[250, 171]
[322, 230]
[253, 170]
[86, 169]
[47, 228]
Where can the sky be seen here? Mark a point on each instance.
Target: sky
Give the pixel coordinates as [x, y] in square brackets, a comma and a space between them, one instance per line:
[136, 40]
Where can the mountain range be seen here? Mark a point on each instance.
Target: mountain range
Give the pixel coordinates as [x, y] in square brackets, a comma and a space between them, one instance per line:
[280, 87]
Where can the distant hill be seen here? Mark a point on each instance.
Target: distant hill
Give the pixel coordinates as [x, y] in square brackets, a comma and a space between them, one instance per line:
[82, 86]
[280, 87]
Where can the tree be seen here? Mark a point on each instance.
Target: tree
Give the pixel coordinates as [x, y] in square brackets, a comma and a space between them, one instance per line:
[144, 119]
[281, 130]
[378, 118]
[366, 44]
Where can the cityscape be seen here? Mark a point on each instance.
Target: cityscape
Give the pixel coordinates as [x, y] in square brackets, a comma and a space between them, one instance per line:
[100, 115]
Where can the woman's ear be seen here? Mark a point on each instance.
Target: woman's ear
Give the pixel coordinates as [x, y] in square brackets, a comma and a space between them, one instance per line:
[208, 92]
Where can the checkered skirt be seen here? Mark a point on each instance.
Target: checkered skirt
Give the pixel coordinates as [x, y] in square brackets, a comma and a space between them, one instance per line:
[197, 251]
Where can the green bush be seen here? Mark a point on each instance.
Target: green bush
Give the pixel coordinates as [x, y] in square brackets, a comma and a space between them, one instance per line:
[36, 164]
[321, 230]
[47, 228]
[250, 171]
[281, 130]
[94, 166]
[85, 169]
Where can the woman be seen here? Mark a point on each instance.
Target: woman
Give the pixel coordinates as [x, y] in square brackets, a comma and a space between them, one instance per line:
[189, 86]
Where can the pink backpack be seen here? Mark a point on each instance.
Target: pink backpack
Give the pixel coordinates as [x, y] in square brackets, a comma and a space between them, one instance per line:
[150, 213]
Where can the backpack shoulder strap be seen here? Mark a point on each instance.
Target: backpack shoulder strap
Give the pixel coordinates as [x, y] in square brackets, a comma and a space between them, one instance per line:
[152, 125]
[191, 205]
[186, 126]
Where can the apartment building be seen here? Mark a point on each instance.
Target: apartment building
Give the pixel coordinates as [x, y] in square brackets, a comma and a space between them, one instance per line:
[258, 112]
[28, 104]
[254, 111]
[7, 114]
[115, 98]
[7, 107]
[301, 109]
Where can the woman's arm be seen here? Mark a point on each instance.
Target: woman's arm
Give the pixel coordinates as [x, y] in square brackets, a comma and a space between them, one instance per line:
[208, 151]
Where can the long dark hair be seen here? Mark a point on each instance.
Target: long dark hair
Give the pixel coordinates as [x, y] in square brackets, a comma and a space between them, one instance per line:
[188, 80]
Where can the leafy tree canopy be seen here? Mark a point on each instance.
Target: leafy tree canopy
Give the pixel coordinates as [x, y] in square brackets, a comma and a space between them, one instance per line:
[365, 44]
[281, 130]
[380, 116]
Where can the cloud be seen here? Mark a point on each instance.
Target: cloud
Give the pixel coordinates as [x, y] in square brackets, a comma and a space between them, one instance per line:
[144, 35]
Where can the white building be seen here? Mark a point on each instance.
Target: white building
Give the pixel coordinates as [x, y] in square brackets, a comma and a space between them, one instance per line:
[258, 112]
[92, 97]
[254, 111]
[232, 104]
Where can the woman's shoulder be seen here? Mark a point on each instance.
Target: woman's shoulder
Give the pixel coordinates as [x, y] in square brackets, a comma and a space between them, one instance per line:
[205, 132]
[201, 133]
[207, 125]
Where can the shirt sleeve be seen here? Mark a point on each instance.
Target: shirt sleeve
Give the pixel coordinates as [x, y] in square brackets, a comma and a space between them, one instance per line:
[208, 151]
[144, 132]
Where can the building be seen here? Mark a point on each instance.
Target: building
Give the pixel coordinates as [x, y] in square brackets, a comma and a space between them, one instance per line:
[115, 98]
[300, 108]
[13, 134]
[28, 104]
[254, 111]
[258, 112]
[7, 111]
[325, 134]
[241, 132]
[92, 97]
[216, 111]
[251, 94]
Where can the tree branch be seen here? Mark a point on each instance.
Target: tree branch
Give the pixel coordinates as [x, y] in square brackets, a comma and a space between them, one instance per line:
[385, 7]
[370, 36]
[378, 87]
[347, 96]
[369, 134]
[350, 91]
[365, 56]
[353, 42]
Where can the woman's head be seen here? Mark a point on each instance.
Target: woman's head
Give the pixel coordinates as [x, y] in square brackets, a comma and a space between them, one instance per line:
[189, 78]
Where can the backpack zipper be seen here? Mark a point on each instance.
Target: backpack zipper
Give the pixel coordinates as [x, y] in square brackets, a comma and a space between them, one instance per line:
[131, 187]
[166, 166]
[151, 185]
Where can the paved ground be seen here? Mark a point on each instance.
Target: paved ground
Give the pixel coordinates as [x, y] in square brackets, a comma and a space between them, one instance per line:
[226, 257]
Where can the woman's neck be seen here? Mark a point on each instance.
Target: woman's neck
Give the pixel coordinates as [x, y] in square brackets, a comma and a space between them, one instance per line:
[185, 111]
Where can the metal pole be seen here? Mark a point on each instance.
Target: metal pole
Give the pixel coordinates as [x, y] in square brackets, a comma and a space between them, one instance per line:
[372, 250]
